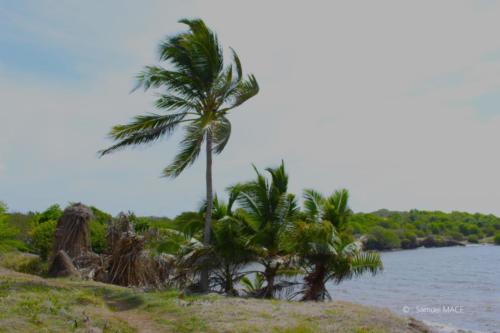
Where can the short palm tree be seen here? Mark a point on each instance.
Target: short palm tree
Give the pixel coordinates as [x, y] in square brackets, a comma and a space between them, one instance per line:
[268, 212]
[229, 249]
[197, 91]
[322, 250]
[334, 208]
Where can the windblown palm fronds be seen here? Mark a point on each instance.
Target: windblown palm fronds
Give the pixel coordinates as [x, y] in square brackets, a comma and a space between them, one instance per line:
[267, 210]
[323, 253]
[196, 91]
[228, 253]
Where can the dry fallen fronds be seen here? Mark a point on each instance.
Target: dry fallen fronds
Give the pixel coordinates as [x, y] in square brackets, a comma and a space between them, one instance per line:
[73, 231]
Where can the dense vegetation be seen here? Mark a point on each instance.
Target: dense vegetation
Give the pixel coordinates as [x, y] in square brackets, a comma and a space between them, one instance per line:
[381, 230]
[385, 229]
[261, 223]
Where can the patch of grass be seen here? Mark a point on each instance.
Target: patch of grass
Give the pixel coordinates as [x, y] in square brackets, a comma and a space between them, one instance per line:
[367, 330]
[33, 304]
[301, 328]
[24, 263]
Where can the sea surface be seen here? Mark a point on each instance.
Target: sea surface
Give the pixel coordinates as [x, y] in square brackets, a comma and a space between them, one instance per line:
[452, 288]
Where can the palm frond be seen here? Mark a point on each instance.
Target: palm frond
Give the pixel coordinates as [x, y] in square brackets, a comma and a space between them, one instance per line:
[313, 201]
[172, 102]
[221, 131]
[367, 262]
[190, 149]
[143, 129]
[243, 91]
[175, 82]
[237, 63]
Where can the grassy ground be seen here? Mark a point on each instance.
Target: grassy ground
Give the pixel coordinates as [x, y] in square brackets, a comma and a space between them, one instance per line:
[30, 303]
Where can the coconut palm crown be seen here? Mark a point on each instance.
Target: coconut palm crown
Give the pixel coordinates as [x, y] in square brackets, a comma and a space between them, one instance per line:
[324, 252]
[196, 91]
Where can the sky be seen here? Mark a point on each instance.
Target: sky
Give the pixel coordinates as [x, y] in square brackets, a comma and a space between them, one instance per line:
[397, 101]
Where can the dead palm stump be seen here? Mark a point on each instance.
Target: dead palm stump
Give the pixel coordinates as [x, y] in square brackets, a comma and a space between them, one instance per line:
[72, 236]
[62, 266]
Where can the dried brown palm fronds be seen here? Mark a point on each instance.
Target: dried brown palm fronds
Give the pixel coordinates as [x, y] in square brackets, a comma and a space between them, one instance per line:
[164, 265]
[73, 233]
[62, 266]
[131, 265]
[116, 227]
[93, 266]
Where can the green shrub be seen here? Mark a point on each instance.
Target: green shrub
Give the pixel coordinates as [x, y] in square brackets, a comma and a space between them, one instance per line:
[469, 229]
[23, 262]
[22, 222]
[8, 233]
[141, 225]
[409, 240]
[382, 239]
[42, 238]
[496, 240]
[455, 235]
[100, 216]
[98, 236]
[473, 239]
[53, 213]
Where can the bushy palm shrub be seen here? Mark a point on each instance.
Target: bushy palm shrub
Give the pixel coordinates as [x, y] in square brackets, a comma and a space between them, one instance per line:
[267, 210]
[324, 252]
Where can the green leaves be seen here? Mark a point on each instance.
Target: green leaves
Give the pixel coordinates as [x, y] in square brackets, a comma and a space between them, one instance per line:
[245, 90]
[334, 208]
[313, 201]
[196, 88]
[323, 248]
[221, 130]
[268, 206]
[143, 129]
[172, 102]
[190, 149]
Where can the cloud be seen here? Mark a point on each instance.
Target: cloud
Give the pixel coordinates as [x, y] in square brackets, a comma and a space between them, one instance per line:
[376, 97]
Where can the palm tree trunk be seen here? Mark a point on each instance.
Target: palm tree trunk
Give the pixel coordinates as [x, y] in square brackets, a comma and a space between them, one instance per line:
[270, 275]
[208, 213]
[315, 282]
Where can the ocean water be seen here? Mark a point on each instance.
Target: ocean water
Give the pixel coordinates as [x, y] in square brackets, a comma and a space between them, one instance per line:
[453, 287]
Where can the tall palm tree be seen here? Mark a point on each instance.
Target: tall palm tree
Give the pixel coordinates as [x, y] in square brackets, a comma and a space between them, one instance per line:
[198, 91]
[268, 211]
[323, 251]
